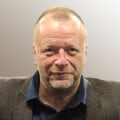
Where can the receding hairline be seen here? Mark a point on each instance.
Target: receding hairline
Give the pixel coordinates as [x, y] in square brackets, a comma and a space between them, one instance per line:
[60, 12]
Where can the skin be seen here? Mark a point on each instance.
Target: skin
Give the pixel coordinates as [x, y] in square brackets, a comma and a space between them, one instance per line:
[60, 54]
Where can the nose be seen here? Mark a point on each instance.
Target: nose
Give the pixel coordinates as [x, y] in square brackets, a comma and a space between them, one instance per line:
[61, 58]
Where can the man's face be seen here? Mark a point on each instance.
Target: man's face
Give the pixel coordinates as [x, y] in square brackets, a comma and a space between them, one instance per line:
[59, 53]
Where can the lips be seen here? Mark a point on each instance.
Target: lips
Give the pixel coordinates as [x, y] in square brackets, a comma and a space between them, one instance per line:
[60, 73]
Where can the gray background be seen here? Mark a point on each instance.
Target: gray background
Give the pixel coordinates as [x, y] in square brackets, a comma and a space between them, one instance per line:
[102, 18]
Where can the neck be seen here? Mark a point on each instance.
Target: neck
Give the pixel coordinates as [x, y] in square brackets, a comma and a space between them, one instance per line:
[55, 98]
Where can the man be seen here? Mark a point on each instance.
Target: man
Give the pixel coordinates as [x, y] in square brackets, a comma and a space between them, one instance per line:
[58, 90]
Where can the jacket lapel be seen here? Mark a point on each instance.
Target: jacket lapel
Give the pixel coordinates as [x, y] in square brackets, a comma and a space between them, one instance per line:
[94, 108]
[21, 110]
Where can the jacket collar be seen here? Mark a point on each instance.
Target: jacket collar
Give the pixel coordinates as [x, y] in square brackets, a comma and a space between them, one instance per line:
[21, 110]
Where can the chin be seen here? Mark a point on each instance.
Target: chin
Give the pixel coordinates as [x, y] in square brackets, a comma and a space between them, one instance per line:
[61, 84]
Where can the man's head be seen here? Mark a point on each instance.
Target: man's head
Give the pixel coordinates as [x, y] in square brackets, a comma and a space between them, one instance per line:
[60, 48]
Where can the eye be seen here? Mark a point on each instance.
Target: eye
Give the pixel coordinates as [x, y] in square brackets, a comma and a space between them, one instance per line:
[73, 51]
[49, 51]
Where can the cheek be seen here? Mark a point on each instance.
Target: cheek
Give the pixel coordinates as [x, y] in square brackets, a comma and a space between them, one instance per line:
[78, 62]
[46, 62]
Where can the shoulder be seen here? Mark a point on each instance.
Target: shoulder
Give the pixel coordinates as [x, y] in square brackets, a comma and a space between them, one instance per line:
[106, 90]
[98, 83]
[10, 87]
[13, 79]
[12, 82]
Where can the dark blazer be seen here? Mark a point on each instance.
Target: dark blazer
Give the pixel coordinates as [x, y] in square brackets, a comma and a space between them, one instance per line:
[103, 99]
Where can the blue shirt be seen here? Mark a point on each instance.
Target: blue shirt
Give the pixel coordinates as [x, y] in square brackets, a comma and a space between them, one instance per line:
[75, 110]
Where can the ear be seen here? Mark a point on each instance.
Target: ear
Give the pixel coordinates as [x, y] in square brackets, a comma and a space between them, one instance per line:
[86, 49]
[34, 53]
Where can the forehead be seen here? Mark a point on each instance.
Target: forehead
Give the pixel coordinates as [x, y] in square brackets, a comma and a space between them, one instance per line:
[63, 27]
[49, 19]
[49, 27]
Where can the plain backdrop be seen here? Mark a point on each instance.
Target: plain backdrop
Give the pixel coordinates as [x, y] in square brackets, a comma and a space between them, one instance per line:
[102, 17]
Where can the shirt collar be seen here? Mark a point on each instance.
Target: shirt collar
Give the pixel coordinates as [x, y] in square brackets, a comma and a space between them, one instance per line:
[83, 88]
[33, 88]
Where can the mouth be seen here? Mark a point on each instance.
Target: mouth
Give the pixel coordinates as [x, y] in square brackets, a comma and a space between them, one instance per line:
[60, 73]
